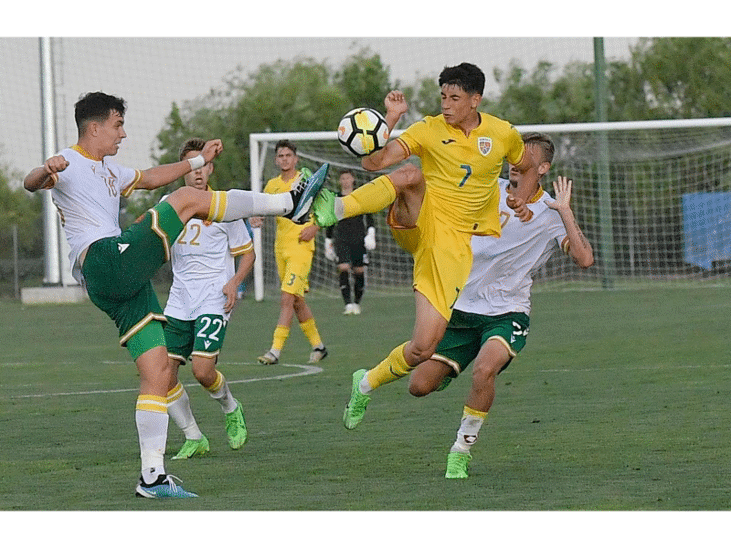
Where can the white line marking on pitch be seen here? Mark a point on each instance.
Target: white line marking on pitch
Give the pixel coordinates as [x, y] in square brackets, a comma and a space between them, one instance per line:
[306, 370]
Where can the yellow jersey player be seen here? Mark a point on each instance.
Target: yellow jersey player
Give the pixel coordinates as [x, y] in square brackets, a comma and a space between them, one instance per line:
[434, 210]
[294, 248]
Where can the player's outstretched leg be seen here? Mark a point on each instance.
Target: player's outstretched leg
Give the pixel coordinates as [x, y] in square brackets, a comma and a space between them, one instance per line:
[193, 448]
[457, 465]
[236, 427]
[304, 193]
[323, 208]
[356, 406]
[164, 487]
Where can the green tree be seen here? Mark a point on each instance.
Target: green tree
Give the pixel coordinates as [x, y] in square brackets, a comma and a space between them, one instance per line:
[684, 77]
[18, 207]
[298, 95]
[364, 80]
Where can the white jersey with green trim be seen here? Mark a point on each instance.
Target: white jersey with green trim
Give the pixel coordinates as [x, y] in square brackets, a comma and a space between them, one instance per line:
[502, 268]
[87, 195]
[203, 262]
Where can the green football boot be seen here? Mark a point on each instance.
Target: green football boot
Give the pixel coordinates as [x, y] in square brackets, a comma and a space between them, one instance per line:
[457, 465]
[323, 208]
[236, 427]
[193, 448]
[356, 407]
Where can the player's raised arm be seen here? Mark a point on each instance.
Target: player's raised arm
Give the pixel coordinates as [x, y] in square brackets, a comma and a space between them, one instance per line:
[579, 247]
[158, 176]
[393, 152]
[45, 175]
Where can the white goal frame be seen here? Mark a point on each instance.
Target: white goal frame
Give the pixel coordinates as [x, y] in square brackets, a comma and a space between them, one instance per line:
[258, 155]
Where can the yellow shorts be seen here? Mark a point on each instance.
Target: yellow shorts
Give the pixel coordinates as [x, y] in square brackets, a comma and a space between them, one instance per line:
[442, 256]
[294, 266]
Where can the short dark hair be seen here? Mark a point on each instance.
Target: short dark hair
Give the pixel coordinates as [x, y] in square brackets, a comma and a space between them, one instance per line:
[96, 106]
[285, 143]
[192, 144]
[542, 141]
[467, 76]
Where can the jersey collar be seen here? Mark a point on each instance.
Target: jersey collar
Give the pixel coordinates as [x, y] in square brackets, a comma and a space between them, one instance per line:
[536, 196]
[85, 154]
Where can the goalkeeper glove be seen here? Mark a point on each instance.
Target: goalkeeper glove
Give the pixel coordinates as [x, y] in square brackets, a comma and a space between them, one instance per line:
[370, 239]
[330, 250]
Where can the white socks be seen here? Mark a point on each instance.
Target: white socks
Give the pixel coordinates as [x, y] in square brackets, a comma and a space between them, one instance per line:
[179, 410]
[152, 429]
[245, 203]
[469, 429]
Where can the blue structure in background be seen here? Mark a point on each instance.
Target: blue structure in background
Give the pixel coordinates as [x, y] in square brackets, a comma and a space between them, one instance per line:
[707, 228]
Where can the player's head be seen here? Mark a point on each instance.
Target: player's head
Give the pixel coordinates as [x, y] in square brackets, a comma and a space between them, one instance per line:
[198, 178]
[347, 181]
[285, 155]
[465, 76]
[461, 89]
[539, 149]
[100, 117]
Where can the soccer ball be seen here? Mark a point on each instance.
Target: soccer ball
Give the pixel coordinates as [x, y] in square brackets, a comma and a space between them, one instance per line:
[362, 131]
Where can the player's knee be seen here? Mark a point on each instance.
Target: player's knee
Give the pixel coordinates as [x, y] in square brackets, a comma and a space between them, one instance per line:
[407, 176]
[486, 372]
[188, 202]
[204, 373]
[419, 387]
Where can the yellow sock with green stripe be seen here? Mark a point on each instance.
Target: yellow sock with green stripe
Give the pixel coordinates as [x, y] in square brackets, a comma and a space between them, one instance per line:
[310, 330]
[469, 428]
[370, 198]
[392, 368]
[151, 418]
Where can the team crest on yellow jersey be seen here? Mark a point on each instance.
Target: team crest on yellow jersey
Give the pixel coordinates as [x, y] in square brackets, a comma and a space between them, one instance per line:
[485, 145]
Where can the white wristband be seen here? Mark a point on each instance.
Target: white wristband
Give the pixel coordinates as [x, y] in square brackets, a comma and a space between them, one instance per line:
[197, 162]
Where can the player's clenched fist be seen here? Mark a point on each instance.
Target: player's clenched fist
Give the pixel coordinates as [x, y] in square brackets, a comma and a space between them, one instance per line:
[211, 149]
[55, 164]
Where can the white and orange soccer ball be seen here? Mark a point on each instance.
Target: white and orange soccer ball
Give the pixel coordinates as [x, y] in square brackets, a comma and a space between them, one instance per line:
[362, 131]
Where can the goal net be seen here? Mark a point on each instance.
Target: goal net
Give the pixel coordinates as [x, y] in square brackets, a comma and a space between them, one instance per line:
[653, 198]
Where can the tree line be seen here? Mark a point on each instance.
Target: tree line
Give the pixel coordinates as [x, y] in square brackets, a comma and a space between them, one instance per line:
[664, 78]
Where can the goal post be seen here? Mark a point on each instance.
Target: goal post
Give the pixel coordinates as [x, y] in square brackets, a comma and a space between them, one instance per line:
[665, 218]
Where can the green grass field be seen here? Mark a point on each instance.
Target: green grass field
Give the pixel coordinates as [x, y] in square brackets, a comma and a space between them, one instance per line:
[619, 402]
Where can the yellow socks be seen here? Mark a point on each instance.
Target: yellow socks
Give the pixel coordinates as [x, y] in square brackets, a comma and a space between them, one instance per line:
[370, 198]
[310, 330]
[281, 332]
[392, 368]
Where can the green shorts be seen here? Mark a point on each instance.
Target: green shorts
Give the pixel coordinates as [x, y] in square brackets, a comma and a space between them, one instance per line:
[117, 272]
[200, 337]
[467, 333]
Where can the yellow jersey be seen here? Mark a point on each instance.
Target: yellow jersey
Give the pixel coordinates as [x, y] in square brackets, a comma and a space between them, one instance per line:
[461, 171]
[287, 231]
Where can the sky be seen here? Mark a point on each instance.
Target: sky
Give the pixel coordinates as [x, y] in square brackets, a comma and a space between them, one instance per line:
[152, 73]
[196, 46]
